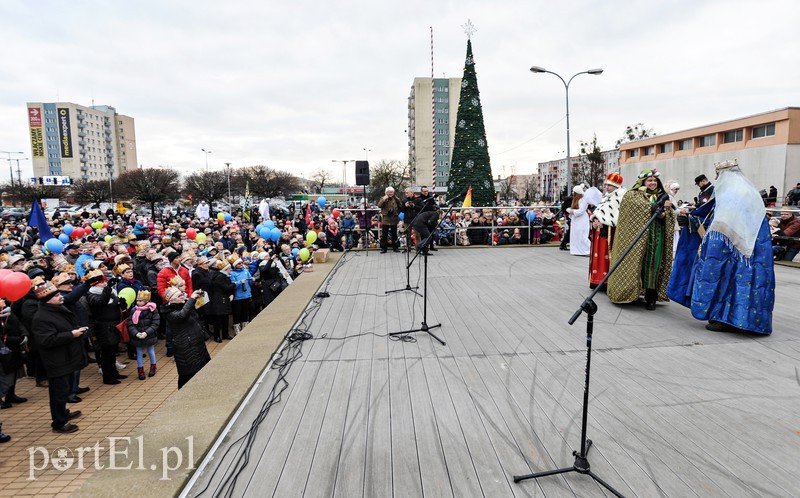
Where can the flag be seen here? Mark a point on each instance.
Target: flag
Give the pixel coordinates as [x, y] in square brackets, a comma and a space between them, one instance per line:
[246, 210]
[308, 214]
[38, 221]
[468, 198]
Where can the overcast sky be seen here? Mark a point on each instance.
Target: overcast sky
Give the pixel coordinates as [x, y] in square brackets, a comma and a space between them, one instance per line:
[295, 84]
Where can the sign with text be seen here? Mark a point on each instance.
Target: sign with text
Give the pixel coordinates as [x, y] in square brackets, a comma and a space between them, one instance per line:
[37, 142]
[64, 132]
[35, 116]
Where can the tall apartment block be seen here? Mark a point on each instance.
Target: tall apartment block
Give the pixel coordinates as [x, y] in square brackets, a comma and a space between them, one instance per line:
[80, 142]
[427, 113]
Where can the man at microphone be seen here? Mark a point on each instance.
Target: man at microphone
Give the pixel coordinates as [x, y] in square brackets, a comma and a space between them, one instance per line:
[409, 213]
[427, 218]
[390, 216]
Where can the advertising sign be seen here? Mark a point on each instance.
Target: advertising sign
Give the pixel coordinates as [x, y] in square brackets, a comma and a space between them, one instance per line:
[64, 132]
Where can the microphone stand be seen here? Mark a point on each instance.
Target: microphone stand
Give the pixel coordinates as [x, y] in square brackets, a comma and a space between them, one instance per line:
[589, 307]
[423, 249]
[408, 269]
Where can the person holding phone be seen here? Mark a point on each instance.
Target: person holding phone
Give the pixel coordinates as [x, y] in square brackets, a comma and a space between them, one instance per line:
[59, 339]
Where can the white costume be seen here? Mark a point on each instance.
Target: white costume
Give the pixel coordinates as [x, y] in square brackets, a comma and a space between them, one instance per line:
[263, 210]
[579, 242]
[202, 211]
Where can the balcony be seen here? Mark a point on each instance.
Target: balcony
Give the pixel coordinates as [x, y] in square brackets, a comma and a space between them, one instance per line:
[81, 124]
[82, 134]
[81, 115]
[84, 160]
[82, 150]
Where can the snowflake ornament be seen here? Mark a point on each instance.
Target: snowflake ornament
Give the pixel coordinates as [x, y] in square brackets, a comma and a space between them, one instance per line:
[462, 123]
[464, 83]
[481, 142]
[487, 184]
[470, 164]
[475, 102]
[470, 61]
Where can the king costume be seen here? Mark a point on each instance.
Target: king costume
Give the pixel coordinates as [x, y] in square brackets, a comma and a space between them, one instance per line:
[731, 282]
[607, 213]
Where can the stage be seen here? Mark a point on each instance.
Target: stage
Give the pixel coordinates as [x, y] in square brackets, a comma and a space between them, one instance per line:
[675, 410]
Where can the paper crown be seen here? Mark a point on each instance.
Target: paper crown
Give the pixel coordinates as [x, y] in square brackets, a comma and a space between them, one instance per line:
[726, 165]
[614, 179]
[143, 295]
[45, 291]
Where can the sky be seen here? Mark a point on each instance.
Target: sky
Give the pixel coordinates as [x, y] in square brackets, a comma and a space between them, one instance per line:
[294, 85]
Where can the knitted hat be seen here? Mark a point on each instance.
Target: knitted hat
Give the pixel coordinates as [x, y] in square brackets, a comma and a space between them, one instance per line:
[143, 295]
[577, 189]
[202, 260]
[35, 272]
[172, 294]
[45, 291]
[173, 255]
[237, 262]
[61, 279]
[614, 179]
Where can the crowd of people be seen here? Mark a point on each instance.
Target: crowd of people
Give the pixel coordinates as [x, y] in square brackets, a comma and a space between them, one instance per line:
[95, 290]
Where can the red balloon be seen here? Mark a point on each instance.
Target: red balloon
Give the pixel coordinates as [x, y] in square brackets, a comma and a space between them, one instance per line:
[79, 232]
[16, 285]
[288, 223]
[88, 230]
[105, 224]
[336, 213]
[191, 233]
[3, 274]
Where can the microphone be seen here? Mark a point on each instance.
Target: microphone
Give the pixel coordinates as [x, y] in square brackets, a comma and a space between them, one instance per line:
[659, 205]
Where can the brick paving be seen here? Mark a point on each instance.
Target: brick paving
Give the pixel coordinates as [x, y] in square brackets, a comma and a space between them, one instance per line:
[106, 411]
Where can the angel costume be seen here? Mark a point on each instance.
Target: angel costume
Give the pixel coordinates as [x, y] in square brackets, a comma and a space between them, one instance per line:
[579, 226]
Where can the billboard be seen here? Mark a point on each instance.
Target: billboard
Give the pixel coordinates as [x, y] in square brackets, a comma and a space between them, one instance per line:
[37, 138]
[64, 132]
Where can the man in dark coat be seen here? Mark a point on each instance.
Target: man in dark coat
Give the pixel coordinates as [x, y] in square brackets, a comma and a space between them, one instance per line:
[220, 306]
[390, 216]
[59, 340]
[104, 306]
[188, 338]
[426, 219]
[201, 280]
[72, 301]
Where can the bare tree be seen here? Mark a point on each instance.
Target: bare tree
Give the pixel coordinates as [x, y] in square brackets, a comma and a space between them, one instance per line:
[319, 179]
[635, 132]
[150, 186]
[384, 174]
[506, 189]
[24, 193]
[592, 169]
[91, 191]
[206, 186]
[264, 181]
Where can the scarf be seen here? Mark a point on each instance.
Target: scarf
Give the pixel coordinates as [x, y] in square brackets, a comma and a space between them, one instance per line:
[99, 290]
[138, 311]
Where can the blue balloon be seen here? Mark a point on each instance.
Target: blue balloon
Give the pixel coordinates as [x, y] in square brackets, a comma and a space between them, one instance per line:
[275, 234]
[295, 251]
[258, 228]
[54, 245]
[322, 201]
[402, 216]
[64, 238]
[68, 229]
[269, 224]
[530, 215]
[265, 233]
[228, 217]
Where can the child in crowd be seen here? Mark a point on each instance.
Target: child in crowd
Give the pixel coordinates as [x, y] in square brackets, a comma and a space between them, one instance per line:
[143, 330]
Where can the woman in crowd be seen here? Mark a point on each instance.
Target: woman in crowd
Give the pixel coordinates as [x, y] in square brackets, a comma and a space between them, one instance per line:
[104, 306]
[219, 308]
[241, 277]
[646, 269]
[143, 330]
[188, 338]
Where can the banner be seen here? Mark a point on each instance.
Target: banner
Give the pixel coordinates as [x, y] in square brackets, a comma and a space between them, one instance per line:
[37, 142]
[37, 138]
[64, 132]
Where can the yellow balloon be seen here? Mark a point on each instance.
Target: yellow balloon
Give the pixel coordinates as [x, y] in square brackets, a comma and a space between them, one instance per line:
[200, 237]
[311, 237]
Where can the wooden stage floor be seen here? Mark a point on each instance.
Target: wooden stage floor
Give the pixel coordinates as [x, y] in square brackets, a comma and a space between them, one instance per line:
[675, 410]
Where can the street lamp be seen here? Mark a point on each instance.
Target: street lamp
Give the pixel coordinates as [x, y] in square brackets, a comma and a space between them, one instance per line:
[344, 170]
[230, 204]
[19, 171]
[367, 151]
[537, 69]
[10, 169]
[207, 153]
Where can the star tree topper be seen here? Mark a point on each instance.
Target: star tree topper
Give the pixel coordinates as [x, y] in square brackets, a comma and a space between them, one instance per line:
[469, 29]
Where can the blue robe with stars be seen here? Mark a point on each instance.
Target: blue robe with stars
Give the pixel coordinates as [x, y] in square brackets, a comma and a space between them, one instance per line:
[728, 289]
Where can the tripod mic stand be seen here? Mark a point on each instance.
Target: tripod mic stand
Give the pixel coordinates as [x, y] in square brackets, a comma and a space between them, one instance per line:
[408, 277]
[423, 249]
[589, 307]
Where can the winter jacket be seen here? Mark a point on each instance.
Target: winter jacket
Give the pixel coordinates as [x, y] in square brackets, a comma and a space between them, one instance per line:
[167, 273]
[188, 337]
[148, 321]
[242, 278]
[222, 288]
[12, 333]
[201, 279]
[61, 353]
[104, 307]
[390, 210]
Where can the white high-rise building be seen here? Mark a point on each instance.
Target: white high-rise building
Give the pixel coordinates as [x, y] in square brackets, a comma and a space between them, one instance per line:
[422, 120]
[80, 142]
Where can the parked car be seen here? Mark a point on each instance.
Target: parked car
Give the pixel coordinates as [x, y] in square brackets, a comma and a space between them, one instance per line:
[14, 214]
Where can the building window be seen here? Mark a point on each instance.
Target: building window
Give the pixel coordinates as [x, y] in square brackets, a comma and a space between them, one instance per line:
[665, 148]
[732, 136]
[706, 140]
[764, 131]
[685, 144]
[633, 153]
[649, 151]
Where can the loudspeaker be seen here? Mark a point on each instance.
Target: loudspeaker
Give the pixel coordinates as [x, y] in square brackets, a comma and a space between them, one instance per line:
[362, 172]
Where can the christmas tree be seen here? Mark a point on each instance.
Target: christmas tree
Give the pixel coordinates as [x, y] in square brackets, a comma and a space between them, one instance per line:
[470, 162]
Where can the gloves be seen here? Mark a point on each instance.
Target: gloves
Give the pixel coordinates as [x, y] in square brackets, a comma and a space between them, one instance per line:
[141, 335]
